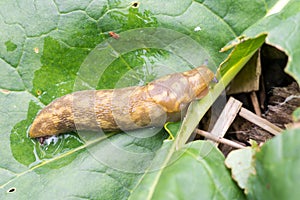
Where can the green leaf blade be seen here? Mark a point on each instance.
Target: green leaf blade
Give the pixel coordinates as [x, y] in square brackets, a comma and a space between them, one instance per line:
[276, 175]
[43, 46]
[196, 172]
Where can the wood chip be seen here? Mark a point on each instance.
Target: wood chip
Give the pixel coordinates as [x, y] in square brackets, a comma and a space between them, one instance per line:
[226, 118]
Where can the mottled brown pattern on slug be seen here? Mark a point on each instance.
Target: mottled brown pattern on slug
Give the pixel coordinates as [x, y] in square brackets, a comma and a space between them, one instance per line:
[143, 110]
[103, 109]
[138, 109]
[55, 118]
[170, 92]
[123, 109]
[199, 77]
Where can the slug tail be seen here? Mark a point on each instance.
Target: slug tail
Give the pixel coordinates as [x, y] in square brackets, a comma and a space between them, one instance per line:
[54, 119]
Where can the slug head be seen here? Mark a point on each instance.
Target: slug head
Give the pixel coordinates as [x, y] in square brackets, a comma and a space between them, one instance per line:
[176, 91]
[199, 80]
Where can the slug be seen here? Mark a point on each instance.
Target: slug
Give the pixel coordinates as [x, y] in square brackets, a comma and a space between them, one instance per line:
[151, 105]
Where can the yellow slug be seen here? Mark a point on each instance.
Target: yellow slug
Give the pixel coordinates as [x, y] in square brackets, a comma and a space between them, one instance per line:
[128, 108]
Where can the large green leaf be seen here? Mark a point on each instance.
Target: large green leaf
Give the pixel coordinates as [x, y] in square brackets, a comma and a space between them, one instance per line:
[269, 172]
[276, 175]
[194, 172]
[46, 48]
[281, 24]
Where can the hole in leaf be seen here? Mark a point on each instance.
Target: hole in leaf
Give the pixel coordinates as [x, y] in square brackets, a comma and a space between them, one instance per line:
[135, 4]
[11, 190]
[36, 50]
[39, 92]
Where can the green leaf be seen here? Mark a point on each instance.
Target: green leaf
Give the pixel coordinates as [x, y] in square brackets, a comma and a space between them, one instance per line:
[241, 165]
[51, 48]
[194, 172]
[200, 167]
[276, 167]
[281, 24]
[296, 115]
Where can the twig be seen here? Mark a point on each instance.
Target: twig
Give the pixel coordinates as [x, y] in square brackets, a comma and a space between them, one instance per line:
[255, 103]
[262, 93]
[218, 139]
[263, 123]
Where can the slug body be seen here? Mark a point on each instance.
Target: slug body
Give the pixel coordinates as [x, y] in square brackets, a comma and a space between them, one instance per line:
[128, 108]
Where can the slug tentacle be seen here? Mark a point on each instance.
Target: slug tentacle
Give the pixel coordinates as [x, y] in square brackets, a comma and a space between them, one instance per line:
[128, 108]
